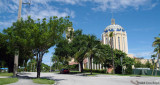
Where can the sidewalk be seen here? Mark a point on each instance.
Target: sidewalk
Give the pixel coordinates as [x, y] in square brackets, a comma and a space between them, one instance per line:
[24, 82]
[5, 77]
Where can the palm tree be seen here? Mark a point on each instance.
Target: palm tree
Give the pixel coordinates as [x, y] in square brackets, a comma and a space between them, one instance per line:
[56, 61]
[80, 45]
[156, 44]
[92, 49]
[153, 58]
[111, 44]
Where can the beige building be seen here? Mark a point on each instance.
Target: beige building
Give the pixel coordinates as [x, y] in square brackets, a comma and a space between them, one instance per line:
[119, 36]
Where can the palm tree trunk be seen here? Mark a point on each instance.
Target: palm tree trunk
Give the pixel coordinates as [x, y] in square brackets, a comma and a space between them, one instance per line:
[153, 69]
[112, 55]
[156, 70]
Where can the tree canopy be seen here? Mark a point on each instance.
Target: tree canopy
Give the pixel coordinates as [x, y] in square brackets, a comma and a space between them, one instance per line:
[35, 37]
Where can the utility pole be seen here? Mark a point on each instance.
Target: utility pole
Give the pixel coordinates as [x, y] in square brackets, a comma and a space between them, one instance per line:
[17, 51]
[17, 48]
[50, 64]
[19, 11]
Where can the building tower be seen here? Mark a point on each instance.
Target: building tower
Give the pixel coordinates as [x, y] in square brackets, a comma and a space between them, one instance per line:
[119, 36]
[69, 33]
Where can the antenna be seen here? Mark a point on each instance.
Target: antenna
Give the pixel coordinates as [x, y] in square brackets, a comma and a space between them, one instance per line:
[112, 20]
[112, 15]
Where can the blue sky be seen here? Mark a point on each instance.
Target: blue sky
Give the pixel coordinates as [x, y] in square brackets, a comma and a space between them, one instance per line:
[140, 18]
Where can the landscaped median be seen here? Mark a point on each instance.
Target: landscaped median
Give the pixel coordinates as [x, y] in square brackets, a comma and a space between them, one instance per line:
[43, 81]
[7, 80]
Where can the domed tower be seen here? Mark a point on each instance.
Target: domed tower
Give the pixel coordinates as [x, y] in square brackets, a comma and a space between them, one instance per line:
[119, 36]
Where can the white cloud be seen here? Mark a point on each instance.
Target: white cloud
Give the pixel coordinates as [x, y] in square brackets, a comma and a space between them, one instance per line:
[37, 6]
[145, 54]
[38, 9]
[103, 5]
[69, 1]
[122, 4]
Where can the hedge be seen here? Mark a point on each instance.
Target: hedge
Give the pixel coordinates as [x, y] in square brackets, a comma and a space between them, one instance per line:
[96, 71]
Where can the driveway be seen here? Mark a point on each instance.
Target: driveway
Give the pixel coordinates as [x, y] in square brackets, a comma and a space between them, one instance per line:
[79, 79]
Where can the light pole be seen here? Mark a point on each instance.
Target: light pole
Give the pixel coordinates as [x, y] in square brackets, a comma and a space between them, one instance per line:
[121, 63]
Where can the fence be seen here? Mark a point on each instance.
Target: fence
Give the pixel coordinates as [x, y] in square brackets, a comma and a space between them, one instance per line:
[144, 72]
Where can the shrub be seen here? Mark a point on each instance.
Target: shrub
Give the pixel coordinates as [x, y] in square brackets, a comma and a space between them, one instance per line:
[128, 69]
[96, 71]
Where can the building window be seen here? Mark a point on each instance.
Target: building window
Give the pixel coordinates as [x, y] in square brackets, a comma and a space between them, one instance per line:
[119, 42]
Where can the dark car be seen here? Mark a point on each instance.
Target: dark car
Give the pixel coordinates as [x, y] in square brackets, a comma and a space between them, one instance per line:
[64, 71]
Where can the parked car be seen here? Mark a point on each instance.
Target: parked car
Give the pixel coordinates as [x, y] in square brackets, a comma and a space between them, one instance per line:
[64, 71]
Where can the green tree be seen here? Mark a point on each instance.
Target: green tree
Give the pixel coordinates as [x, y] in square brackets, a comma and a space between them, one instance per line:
[45, 67]
[79, 46]
[156, 44]
[62, 52]
[128, 62]
[153, 62]
[107, 61]
[36, 36]
[56, 62]
[138, 64]
[7, 49]
[148, 64]
[92, 49]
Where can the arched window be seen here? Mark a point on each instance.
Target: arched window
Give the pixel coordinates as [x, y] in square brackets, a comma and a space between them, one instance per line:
[119, 42]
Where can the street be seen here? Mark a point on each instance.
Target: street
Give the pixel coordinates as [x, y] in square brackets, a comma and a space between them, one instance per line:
[79, 79]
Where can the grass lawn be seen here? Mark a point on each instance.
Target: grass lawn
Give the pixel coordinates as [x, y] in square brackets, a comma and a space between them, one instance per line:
[7, 80]
[6, 74]
[43, 81]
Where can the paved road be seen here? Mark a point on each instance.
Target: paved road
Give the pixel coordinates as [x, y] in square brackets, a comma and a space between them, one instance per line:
[79, 79]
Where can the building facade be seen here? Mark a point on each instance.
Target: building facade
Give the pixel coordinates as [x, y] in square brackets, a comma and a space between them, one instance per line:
[119, 40]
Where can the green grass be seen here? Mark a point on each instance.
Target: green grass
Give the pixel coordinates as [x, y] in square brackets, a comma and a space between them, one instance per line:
[7, 80]
[43, 81]
[6, 74]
